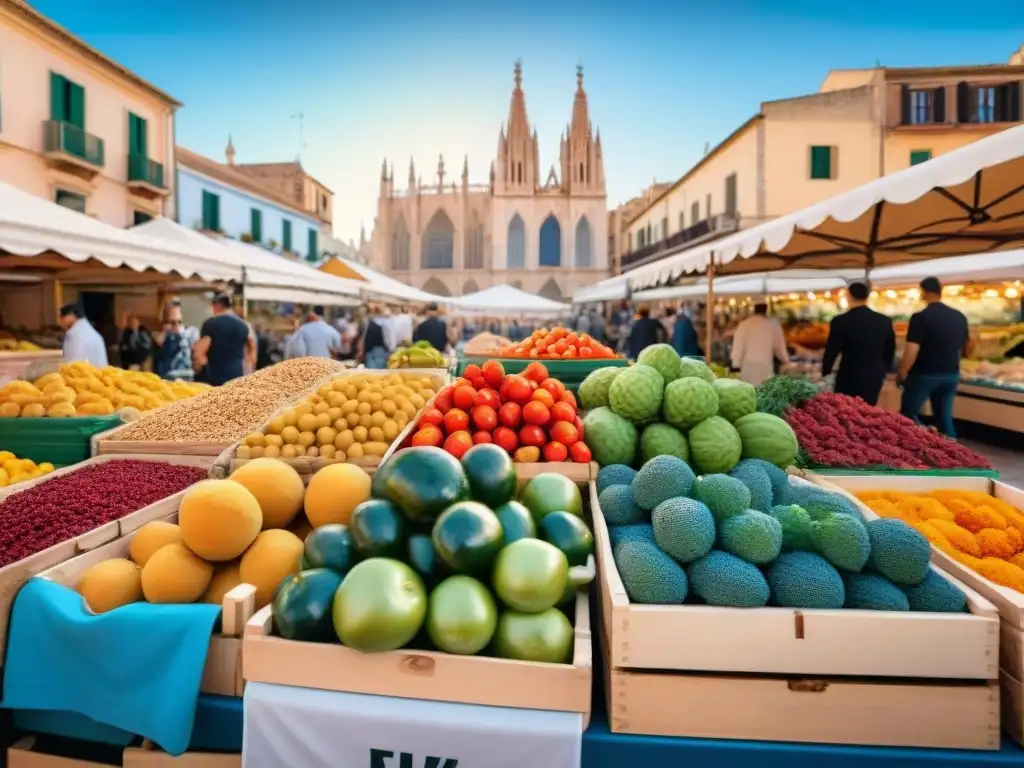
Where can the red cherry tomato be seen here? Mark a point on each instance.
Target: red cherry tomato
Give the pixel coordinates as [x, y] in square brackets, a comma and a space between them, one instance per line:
[519, 390]
[531, 434]
[471, 372]
[458, 443]
[463, 397]
[511, 415]
[535, 412]
[428, 435]
[580, 453]
[555, 452]
[456, 420]
[562, 412]
[554, 386]
[564, 432]
[506, 438]
[493, 372]
[487, 397]
[481, 437]
[536, 372]
[432, 416]
[570, 398]
[485, 418]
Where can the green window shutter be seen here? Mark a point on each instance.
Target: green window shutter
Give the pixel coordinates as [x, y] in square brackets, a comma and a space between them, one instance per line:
[211, 211]
[76, 105]
[918, 156]
[57, 99]
[137, 138]
[312, 255]
[821, 162]
[286, 235]
[256, 225]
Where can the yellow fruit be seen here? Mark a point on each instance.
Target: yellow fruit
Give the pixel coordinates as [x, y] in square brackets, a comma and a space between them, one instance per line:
[225, 578]
[61, 409]
[33, 410]
[306, 439]
[288, 452]
[290, 435]
[390, 430]
[307, 423]
[313, 451]
[355, 451]
[174, 574]
[344, 439]
[276, 426]
[278, 489]
[273, 555]
[273, 440]
[152, 537]
[327, 451]
[5, 479]
[334, 492]
[219, 519]
[243, 452]
[271, 452]
[110, 584]
[257, 452]
[290, 418]
[254, 440]
[6, 456]
[46, 467]
[375, 448]
[325, 435]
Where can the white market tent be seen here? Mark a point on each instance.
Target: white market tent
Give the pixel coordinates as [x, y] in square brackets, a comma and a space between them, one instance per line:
[379, 285]
[610, 289]
[32, 229]
[761, 284]
[977, 268]
[267, 276]
[971, 199]
[506, 300]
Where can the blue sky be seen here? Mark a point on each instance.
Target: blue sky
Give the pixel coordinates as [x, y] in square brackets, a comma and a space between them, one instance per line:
[407, 78]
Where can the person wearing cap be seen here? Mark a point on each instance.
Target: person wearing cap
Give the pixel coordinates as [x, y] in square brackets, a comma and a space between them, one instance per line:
[225, 342]
[82, 342]
[314, 338]
[756, 344]
[432, 330]
[864, 343]
[644, 332]
[937, 337]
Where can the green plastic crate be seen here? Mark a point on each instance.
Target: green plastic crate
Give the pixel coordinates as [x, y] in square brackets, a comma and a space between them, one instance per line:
[569, 372]
[60, 441]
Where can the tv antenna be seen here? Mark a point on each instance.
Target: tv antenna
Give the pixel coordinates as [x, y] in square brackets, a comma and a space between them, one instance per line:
[301, 117]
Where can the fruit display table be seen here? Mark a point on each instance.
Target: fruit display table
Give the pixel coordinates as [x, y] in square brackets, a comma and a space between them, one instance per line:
[15, 365]
[976, 402]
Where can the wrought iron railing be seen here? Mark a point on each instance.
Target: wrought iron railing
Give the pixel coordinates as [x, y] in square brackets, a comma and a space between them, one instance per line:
[62, 136]
[141, 168]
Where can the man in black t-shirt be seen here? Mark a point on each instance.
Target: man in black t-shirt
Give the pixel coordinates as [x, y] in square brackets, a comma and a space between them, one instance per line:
[224, 343]
[865, 344]
[937, 338]
[432, 330]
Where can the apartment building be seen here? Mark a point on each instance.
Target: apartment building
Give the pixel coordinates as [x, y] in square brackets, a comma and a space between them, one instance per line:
[861, 125]
[78, 128]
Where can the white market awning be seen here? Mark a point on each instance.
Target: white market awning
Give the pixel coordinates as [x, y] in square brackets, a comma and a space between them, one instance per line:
[761, 284]
[32, 227]
[977, 268]
[268, 277]
[611, 289]
[970, 199]
[380, 285]
[506, 299]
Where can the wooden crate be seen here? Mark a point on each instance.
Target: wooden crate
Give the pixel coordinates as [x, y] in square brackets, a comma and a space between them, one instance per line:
[786, 641]
[14, 575]
[107, 442]
[897, 713]
[151, 756]
[1012, 705]
[427, 675]
[223, 672]
[25, 753]
[307, 466]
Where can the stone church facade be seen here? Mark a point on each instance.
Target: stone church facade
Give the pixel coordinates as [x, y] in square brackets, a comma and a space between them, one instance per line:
[543, 232]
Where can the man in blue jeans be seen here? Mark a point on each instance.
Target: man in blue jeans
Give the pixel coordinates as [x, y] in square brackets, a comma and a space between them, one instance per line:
[937, 338]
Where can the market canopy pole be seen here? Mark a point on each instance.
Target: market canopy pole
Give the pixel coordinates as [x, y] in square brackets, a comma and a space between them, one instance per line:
[970, 200]
[709, 312]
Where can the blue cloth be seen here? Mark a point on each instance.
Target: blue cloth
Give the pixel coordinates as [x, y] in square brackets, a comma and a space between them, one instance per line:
[940, 390]
[137, 668]
[316, 339]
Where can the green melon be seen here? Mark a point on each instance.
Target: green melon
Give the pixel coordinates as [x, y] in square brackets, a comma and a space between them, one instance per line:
[636, 394]
[611, 438]
[593, 390]
[691, 366]
[663, 358]
[663, 440]
[767, 437]
[715, 446]
[736, 398]
[688, 402]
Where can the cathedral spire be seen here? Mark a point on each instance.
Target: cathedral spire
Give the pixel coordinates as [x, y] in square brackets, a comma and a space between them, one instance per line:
[412, 172]
[518, 125]
[229, 152]
[580, 126]
[517, 162]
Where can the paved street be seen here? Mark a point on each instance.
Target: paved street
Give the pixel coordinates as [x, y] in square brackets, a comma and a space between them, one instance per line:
[1009, 463]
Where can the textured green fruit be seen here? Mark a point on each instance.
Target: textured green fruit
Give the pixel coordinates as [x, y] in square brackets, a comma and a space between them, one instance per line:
[663, 440]
[663, 358]
[714, 445]
[593, 390]
[692, 367]
[736, 398]
[612, 439]
[636, 394]
[767, 437]
[688, 402]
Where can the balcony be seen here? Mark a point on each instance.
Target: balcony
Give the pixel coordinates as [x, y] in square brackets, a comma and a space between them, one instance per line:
[146, 177]
[702, 231]
[70, 148]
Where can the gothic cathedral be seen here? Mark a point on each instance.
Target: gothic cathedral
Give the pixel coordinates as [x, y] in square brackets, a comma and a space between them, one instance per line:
[543, 233]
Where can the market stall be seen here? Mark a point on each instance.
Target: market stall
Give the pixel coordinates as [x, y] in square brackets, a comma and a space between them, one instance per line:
[376, 285]
[611, 289]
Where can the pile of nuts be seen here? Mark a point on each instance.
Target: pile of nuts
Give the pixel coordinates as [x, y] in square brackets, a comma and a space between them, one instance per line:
[228, 413]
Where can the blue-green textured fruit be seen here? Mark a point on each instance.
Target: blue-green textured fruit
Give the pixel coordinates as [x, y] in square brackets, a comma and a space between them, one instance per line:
[725, 496]
[842, 540]
[684, 528]
[618, 505]
[661, 478]
[614, 474]
[752, 536]
[936, 595]
[871, 592]
[899, 552]
[722, 579]
[649, 575]
[805, 580]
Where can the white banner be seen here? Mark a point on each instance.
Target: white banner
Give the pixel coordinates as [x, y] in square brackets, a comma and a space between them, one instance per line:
[304, 728]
